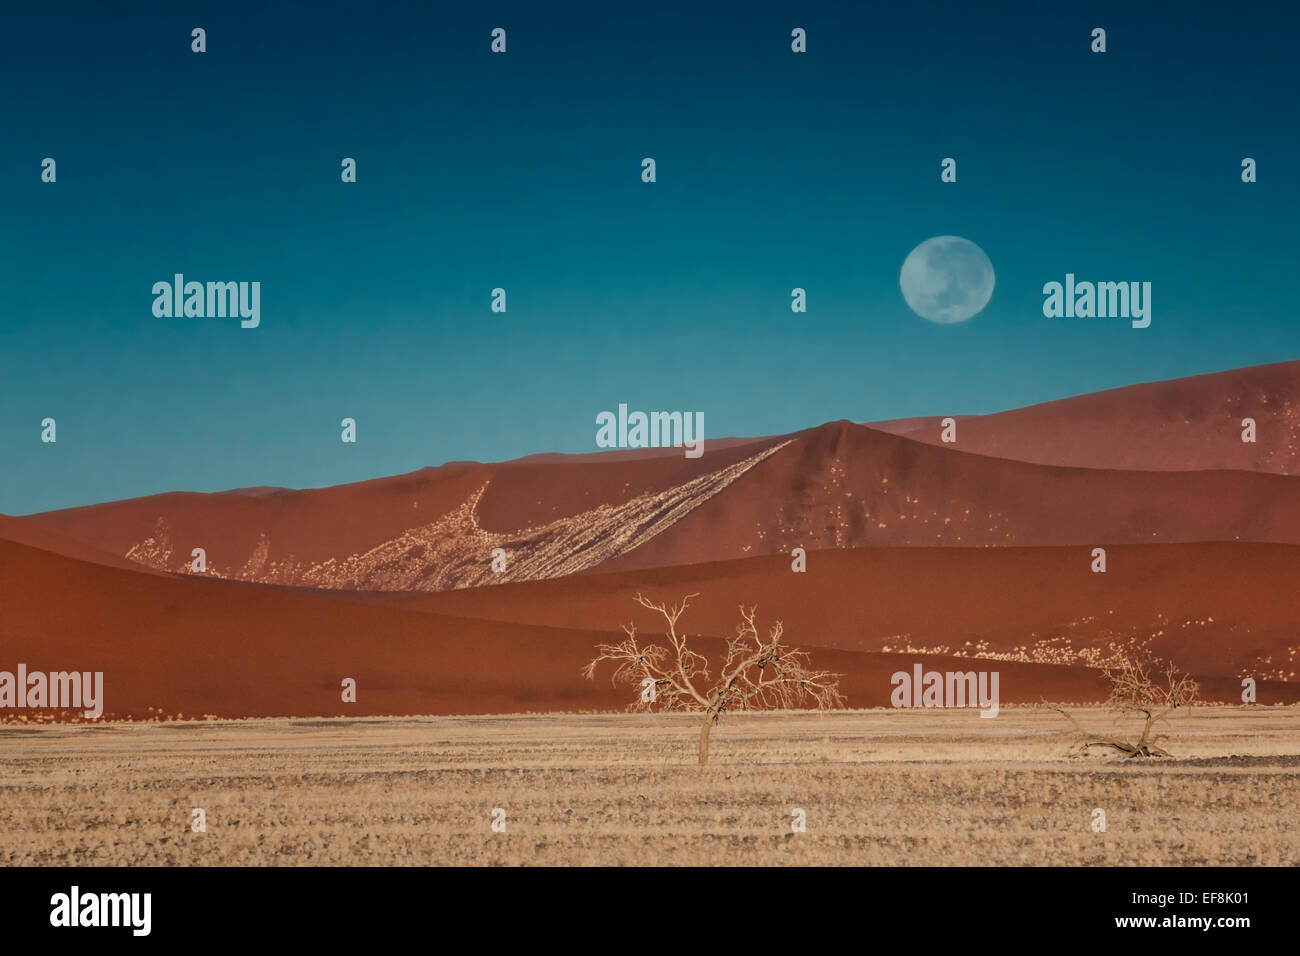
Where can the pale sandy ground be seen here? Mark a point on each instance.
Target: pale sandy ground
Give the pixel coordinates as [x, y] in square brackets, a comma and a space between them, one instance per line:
[878, 787]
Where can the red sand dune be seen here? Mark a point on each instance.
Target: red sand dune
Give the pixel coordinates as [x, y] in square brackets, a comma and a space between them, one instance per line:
[297, 537]
[1218, 609]
[179, 646]
[837, 486]
[194, 647]
[916, 547]
[1187, 424]
[848, 486]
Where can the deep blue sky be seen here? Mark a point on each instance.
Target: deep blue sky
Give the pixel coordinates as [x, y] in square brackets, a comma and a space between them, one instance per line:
[522, 171]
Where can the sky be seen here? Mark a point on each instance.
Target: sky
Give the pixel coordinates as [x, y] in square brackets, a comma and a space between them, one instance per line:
[522, 171]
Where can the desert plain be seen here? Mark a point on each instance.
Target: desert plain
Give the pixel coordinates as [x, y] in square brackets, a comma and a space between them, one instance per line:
[876, 787]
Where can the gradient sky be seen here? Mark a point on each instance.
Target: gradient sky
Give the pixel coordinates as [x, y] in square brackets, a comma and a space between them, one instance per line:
[775, 170]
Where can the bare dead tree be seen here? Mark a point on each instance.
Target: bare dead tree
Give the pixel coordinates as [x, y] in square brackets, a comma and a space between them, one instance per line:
[1139, 684]
[757, 673]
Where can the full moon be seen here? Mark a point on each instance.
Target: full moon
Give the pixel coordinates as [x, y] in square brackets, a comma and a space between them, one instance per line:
[946, 279]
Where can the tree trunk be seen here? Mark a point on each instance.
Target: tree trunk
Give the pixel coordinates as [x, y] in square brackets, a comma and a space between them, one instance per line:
[1146, 730]
[709, 717]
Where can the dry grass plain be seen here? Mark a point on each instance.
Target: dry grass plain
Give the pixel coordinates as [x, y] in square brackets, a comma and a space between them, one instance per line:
[878, 787]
